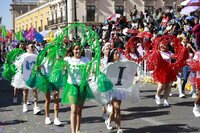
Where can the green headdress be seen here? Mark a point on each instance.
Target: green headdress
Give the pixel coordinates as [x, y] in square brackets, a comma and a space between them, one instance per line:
[56, 51]
[9, 67]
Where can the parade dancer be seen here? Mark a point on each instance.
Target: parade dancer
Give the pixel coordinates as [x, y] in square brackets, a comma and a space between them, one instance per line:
[195, 67]
[73, 93]
[19, 82]
[52, 89]
[106, 50]
[115, 99]
[164, 71]
[10, 69]
[126, 90]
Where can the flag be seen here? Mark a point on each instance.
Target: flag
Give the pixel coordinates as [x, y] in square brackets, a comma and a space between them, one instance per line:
[113, 17]
[19, 36]
[4, 32]
[31, 34]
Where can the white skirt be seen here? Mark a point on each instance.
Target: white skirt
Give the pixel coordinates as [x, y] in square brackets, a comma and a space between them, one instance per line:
[18, 81]
[131, 93]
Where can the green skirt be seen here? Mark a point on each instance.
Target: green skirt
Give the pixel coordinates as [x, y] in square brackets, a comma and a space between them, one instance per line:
[73, 94]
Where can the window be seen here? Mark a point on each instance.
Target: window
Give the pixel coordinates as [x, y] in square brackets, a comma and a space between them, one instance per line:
[41, 25]
[119, 10]
[61, 14]
[90, 12]
[56, 17]
[36, 25]
[149, 9]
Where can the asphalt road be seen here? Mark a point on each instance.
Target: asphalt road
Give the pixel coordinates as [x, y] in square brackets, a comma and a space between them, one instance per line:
[143, 117]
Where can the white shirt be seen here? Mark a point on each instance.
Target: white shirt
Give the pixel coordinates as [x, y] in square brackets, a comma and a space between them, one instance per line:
[166, 56]
[75, 73]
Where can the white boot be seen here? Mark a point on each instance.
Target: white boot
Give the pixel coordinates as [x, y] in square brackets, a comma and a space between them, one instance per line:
[196, 110]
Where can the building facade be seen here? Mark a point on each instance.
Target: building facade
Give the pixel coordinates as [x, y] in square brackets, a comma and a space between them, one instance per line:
[19, 7]
[38, 18]
[62, 12]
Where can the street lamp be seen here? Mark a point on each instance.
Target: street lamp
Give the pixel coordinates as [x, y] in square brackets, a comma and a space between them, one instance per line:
[66, 12]
[75, 19]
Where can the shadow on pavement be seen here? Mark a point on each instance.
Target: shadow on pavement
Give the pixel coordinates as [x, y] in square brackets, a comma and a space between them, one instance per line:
[170, 128]
[137, 115]
[135, 109]
[12, 122]
[92, 120]
[186, 103]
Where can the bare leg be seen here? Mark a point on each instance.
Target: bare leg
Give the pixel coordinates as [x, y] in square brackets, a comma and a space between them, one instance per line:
[79, 115]
[117, 113]
[15, 91]
[160, 89]
[167, 90]
[103, 109]
[73, 118]
[197, 100]
[56, 103]
[35, 95]
[25, 95]
[47, 103]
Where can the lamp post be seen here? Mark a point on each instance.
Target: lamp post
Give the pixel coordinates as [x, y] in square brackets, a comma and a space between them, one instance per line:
[66, 12]
[75, 19]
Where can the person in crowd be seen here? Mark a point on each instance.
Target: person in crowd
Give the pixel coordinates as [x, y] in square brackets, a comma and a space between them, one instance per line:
[195, 67]
[74, 94]
[19, 82]
[116, 98]
[104, 60]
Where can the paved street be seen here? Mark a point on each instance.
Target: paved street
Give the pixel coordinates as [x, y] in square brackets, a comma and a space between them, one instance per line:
[143, 117]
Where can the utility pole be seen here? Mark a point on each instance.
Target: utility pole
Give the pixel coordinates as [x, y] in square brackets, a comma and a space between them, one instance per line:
[75, 19]
[66, 12]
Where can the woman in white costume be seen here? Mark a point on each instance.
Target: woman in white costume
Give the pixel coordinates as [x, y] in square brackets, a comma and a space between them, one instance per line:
[19, 82]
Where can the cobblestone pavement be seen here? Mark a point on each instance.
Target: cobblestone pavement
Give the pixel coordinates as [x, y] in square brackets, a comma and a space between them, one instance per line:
[143, 117]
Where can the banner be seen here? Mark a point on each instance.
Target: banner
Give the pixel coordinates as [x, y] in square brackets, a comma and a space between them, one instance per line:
[122, 73]
[28, 64]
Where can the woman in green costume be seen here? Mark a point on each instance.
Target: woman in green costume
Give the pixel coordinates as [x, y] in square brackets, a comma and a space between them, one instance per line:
[73, 93]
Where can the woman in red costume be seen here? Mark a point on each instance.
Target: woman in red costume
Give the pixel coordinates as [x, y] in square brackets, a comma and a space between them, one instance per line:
[159, 60]
[195, 66]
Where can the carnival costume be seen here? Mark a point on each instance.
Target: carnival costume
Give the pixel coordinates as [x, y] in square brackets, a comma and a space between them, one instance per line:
[63, 71]
[19, 80]
[195, 66]
[9, 67]
[157, 61]
[128, 88]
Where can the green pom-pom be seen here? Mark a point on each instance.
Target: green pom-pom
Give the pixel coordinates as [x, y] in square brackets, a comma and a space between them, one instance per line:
[31, 82]
[57, 75]
[42, 84]
[104, 84]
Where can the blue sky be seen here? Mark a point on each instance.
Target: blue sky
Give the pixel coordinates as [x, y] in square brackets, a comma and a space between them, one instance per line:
[5, 13]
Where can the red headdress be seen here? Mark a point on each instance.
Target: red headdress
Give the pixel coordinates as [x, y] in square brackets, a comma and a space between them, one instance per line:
[164, 71]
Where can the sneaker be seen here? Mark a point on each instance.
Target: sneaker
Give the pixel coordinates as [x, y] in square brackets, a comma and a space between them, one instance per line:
[194, 95]
[108, 125]
[15, 100]
[28, 103]
[57, 122]
[119, 131]
[191, 92]
[47, 121]
[36, 110]
[105, 116]
[25, 108]
[181, 95]
[165, 103]
[157, 100]
[196, 112]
